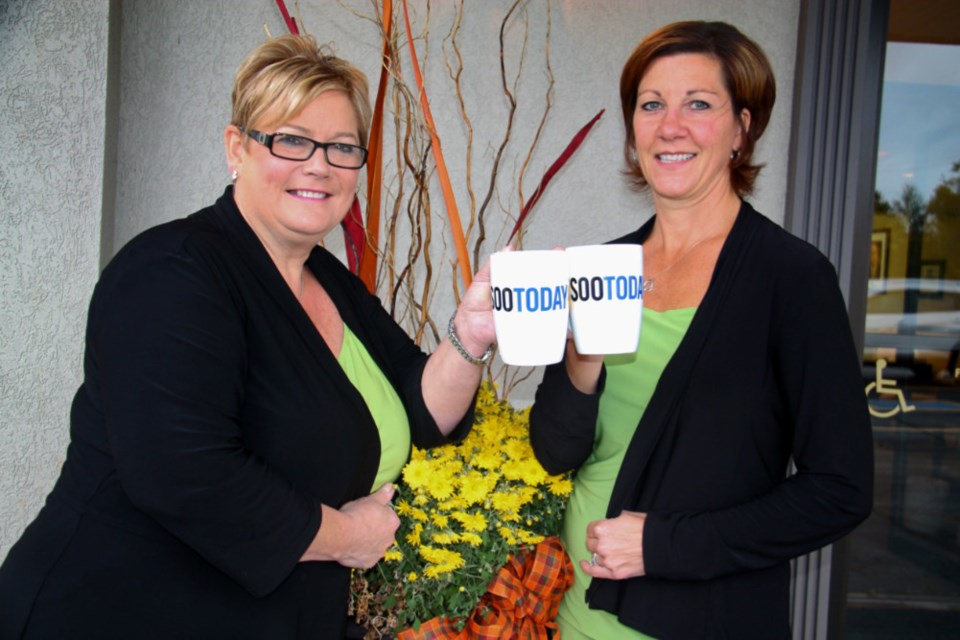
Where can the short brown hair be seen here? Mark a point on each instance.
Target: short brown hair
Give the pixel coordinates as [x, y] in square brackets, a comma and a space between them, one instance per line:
[284, 74]
[747, 75]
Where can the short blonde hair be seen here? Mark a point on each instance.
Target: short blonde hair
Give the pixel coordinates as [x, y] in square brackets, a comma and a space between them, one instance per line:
[284, 74]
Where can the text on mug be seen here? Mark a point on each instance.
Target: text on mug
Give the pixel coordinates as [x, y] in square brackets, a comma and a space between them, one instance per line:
[606, 288]
[529, 299]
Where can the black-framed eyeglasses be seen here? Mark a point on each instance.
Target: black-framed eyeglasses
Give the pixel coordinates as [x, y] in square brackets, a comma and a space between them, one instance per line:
[291, 147]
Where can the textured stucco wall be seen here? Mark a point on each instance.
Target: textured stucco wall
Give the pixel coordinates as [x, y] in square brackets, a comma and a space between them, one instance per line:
[179, 57]
[177, 62]
[52, 88]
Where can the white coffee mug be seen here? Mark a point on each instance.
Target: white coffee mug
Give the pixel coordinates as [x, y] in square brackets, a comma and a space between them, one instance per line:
[529, 295]
[606, 297]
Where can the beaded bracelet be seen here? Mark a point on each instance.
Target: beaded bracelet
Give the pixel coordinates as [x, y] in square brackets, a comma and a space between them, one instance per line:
[455, 341]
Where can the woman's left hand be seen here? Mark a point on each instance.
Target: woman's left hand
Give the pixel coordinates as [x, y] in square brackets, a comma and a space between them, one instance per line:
[616, 546]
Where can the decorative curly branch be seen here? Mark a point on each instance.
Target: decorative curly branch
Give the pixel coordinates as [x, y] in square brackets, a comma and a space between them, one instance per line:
[548, 103]
[511, 111]
[407, 275]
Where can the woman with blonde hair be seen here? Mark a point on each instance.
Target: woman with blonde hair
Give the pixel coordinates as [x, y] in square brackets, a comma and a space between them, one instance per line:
[246, 402]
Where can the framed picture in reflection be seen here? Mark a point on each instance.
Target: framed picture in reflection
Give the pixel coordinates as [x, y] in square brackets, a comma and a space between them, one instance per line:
[879, 254]
[931, 275]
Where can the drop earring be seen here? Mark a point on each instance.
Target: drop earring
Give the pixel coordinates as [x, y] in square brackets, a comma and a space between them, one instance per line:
[233, 176]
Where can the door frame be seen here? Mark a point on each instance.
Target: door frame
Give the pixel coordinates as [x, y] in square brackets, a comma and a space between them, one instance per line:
[830, 190]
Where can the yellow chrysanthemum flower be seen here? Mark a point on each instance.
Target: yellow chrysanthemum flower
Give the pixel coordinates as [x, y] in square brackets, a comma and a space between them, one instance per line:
[436, 555]
[414, 536]
[506, 504]
[441, 561]
[532, 473]
[527, 494]
[471, 539]
[527, 471]
[416, 473]
[487, 458]
[440, 486]
[560, 486]
[515, 449]
[507, 534]
[528, 537]
[476, 486]
[471, 521]
[445, 537]
[454, 504]
[419, 515]
[403, 508]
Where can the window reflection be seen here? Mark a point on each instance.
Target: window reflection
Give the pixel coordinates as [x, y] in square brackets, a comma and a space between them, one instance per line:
[904, 571]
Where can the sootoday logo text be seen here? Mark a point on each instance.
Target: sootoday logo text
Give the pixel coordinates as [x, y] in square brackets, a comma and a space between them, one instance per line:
[606, 288]
[529, 299]
[535, 299]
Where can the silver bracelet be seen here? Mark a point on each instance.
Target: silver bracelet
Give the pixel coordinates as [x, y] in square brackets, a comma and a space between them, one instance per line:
[455, 341]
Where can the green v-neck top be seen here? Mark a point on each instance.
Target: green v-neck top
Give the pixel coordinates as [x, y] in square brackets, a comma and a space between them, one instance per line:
[631, 380]
[384, 405]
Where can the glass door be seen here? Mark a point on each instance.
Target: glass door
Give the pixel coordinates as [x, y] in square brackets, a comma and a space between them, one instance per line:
[904, 562]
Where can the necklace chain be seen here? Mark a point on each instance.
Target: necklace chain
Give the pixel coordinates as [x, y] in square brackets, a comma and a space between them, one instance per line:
[648, 282]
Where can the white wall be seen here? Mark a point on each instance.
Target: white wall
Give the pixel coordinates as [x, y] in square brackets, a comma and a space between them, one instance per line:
[178, 59]
[52, 97]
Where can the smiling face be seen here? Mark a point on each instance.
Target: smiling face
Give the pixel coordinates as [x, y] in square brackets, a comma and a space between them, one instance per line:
[685, 129]
[293, 204]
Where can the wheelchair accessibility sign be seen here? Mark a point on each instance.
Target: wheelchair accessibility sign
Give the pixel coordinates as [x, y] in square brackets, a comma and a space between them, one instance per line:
[886, 387]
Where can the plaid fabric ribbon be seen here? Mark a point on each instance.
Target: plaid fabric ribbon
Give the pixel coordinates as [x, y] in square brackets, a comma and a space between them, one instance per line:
[521, 602]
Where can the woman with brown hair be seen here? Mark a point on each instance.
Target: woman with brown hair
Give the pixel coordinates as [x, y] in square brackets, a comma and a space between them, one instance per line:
[683, 518]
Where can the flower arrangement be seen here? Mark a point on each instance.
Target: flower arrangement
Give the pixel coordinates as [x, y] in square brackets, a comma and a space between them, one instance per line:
[465, 510]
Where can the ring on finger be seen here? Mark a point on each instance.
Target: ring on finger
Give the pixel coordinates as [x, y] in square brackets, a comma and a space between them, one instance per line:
[594, 560]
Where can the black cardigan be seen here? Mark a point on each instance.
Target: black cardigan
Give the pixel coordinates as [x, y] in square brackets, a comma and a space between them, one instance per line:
[211, 424]
[766, 371]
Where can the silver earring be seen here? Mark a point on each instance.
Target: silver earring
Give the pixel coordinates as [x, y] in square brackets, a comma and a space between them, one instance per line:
[233, 176]
[734, 154]
[633, 155]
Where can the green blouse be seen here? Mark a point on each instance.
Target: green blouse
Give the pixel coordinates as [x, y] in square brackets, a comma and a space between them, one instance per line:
[631, 380]
[384, 405]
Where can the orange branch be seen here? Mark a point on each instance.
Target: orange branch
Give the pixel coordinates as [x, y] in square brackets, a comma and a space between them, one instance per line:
[455, 228]
[368, 260]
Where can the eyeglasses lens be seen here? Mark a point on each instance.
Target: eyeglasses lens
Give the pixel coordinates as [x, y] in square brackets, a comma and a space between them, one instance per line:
[346, 156]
